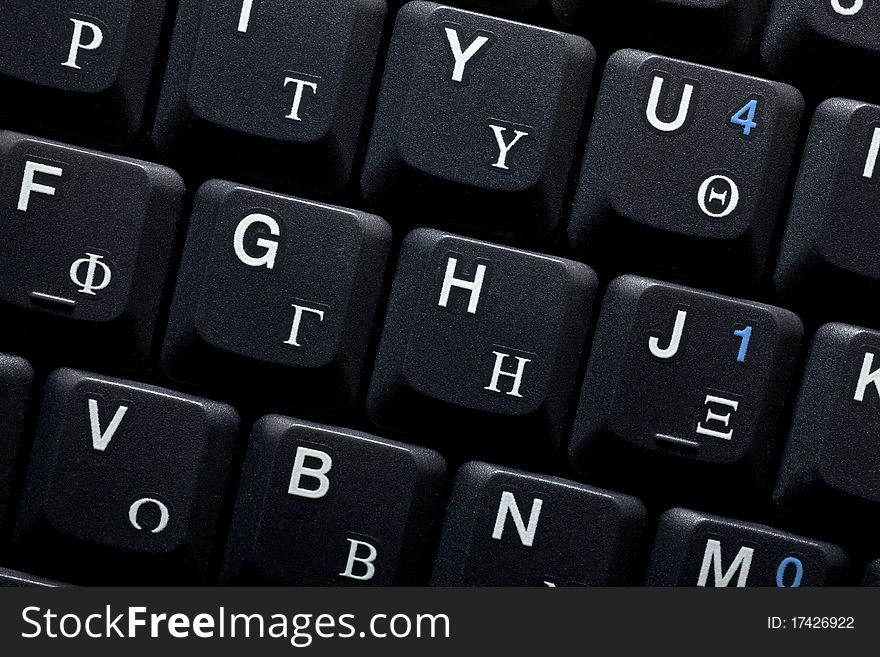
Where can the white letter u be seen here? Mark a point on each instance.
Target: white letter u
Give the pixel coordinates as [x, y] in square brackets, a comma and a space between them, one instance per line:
[654, 101]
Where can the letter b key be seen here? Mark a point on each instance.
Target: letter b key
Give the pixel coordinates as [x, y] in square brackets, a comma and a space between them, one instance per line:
[362, 509]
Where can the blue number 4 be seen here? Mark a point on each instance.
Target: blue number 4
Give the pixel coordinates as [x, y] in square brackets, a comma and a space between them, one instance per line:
[746, 117]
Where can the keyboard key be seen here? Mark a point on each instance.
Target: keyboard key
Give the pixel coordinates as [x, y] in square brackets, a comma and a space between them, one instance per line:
[277, 291]
[831, 239]
[273, 89]
[16, 379]
[684, 171]
[320, 506]
[81, 68]
[829, 470]
[125, 484]
[696, 549]
[85, 239]
[476, 121]
[827, 43]
[717, 30]
[511, 528]
[688, 383]
[872, 574]
[511, 6]
[13, 578]
[480, 346]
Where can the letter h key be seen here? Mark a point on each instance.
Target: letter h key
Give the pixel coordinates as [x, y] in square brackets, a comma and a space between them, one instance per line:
[685, 380]
[480, 345]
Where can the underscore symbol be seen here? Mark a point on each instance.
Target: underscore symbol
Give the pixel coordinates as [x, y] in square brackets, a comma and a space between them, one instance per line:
[87, 284]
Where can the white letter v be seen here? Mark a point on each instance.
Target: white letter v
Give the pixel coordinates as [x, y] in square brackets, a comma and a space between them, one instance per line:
[101, 440]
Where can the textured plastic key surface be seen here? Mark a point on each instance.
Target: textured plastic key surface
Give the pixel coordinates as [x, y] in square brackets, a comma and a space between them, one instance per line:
[466, 122]
[273, 88]
[480, 346]
[688, 383]
[16, 380]
[511, 528]
[832, 235]
[829, 471]
[829, 44]
[717, 30]
[81, 67]
[322, 506]
[85, 240]
[512, 6]
[684, 170]
[696, 549]
[872, 574]
[126, 482]
[278, 291]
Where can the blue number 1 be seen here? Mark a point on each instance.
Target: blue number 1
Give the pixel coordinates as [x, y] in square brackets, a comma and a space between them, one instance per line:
[746, 117]
[746, 335]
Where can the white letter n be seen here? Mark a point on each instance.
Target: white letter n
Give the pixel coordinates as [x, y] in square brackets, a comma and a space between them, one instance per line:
[508, 506]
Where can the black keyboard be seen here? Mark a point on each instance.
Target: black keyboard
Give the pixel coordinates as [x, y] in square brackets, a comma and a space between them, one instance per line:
[505, 293]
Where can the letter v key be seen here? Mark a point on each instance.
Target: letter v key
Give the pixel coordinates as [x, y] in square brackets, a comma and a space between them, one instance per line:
[101, 440]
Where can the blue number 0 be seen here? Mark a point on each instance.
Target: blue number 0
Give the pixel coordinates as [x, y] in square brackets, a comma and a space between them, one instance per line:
[746, 117]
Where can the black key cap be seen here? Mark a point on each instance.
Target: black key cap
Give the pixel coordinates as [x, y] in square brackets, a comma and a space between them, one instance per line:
[85, 239]
[872, 574]
[13, 578]
[79, 67]
[477, 120]
[511, 528]
[321, 506]
[277, 291]
[480, 346]
[720, 31]
[16, 379]
[685, 382]
[273, 88]
[832, 238]
[685, 170]
[829, 470]
[510, 6]
[125, 483]
[825, 43]
[696, 549]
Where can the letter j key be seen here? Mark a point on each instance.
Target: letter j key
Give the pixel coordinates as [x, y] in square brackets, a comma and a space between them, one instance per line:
[687, 383]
